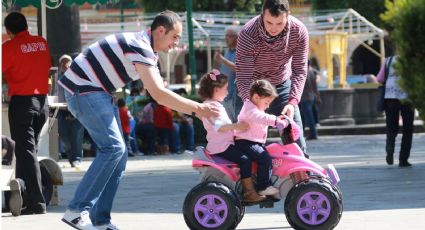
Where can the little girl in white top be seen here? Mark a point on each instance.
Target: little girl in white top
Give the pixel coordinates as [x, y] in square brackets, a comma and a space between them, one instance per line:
[220, 132]
[251, 142]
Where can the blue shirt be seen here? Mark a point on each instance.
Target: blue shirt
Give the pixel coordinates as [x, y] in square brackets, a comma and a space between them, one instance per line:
[230, 55]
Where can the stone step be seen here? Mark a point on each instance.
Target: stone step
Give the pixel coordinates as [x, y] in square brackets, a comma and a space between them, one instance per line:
[379, 128]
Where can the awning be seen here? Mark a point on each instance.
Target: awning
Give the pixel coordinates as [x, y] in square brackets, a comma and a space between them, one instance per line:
[49, 3]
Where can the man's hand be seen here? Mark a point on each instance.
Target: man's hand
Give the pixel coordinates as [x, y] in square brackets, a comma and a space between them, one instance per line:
[289, 111]
[218, 57]
[207, 110]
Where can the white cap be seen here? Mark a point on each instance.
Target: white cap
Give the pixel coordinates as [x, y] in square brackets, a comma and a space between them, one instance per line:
[65, 56]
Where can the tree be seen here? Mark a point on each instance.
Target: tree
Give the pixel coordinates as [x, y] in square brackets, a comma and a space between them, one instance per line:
[202, 5]
[407, 19]
[370, 9]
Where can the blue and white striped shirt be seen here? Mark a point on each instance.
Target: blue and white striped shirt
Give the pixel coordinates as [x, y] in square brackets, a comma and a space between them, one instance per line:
[108, 64]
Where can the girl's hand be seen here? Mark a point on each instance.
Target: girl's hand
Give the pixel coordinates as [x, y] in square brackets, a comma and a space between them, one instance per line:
[242, 126]
[281, 122]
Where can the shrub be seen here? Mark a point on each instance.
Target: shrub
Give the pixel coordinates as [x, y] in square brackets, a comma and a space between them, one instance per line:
[409, 37]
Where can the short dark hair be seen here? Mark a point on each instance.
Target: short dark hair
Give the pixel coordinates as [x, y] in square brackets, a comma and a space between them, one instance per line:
[15, 22]
[207, 85]
[167, 19]
[121, 103]
[262, 88]
[276, 7]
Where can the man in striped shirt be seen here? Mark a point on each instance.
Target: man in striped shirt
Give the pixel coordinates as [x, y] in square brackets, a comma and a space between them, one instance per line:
[274, 46]
[97, 72]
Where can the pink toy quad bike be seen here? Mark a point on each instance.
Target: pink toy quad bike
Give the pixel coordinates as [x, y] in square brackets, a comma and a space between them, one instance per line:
[312, 198]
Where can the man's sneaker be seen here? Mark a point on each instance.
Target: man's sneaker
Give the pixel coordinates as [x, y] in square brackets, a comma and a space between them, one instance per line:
[78, 220]
[109, 226]
[269, 191]
[15, 202]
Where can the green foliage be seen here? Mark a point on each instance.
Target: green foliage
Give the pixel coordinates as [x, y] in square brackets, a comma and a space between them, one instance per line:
[201, 5]
[409, 35]
[394, 7]
[370, 9]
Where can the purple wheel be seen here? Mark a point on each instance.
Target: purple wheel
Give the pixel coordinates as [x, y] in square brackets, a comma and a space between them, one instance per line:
[313, 208]
[210, 211]
[313, 204]
[211, 206]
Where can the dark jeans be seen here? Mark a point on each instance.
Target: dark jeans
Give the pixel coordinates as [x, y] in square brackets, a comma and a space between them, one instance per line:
[170, 137]
[235, 155]
[187, 131]
[27, 115]
[393, 108]
[277, 106]
[257, 152]
[147, 133]
[307, 115]
[71, 133]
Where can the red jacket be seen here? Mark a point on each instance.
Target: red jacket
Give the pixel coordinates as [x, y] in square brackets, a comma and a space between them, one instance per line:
[125, 120]
[26, 63]
[162, 117]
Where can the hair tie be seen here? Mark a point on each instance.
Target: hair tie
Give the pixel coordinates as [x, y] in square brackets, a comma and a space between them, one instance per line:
[214, 73]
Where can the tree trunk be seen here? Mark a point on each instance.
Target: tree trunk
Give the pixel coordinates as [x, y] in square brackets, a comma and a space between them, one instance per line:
[63, 31]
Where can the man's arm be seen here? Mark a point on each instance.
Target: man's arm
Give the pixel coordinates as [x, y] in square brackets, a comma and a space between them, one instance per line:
[299, 68]
[244, 64]
[222, 60]
[153, 83]
[299, 73]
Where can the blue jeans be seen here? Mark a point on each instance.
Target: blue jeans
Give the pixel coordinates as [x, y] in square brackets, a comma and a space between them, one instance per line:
[187, 130]
[277, 106]
[170, 137]
[239, 157]
[97, 189]
[257, 152]
[307, 114]
[147, 132]
[133, 140]
[71, 133]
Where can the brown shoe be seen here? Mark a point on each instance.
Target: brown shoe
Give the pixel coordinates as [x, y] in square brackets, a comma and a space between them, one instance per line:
[249, 193]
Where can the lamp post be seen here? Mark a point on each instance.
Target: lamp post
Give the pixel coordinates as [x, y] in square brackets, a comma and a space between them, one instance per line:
[192, 62]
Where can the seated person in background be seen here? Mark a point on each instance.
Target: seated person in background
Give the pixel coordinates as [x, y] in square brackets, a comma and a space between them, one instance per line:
[125, 124]
[145, 128]
[163, 121]
[185, 123]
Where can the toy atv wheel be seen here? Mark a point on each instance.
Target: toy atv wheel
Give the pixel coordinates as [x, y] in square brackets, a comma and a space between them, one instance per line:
[313, 204]
[212, 205]
[47, 185]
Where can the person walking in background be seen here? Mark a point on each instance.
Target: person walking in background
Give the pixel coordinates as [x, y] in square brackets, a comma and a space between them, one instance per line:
[396, 103]
[70, 130]
[101, 69]
[232, 102]
[274, 46]
[308, 99]
[25, 65]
